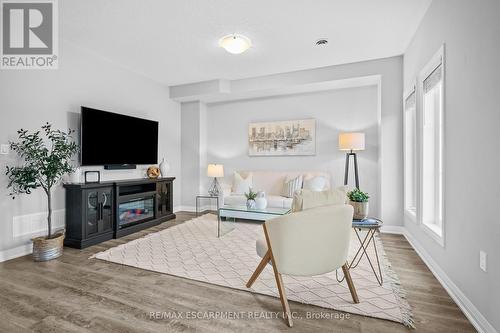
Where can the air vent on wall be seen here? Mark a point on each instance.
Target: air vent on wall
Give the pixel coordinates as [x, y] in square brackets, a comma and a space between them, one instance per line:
[322, 42]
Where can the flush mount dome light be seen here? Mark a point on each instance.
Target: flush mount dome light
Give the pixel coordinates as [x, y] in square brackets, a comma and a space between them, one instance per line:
[235, 44]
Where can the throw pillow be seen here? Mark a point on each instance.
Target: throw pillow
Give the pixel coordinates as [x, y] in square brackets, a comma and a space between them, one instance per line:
[291, 185]
[315, 183]
[242, 185]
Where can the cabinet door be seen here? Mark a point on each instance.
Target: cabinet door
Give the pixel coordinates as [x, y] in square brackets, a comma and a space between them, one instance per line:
[163, 199]
[106, 205]
[92, 210]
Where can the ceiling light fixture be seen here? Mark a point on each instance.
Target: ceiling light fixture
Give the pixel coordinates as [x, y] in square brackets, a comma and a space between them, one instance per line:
[235, 44]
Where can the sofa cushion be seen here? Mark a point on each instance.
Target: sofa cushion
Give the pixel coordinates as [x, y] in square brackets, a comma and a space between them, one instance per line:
[277, 201]
[272, 182]
[274, 201]
[315, 183]
[235, 200]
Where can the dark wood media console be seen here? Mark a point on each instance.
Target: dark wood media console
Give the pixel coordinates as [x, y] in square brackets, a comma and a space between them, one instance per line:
[101, 211]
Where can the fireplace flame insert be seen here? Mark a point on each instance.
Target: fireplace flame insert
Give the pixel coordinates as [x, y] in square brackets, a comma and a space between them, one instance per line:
[135, 211]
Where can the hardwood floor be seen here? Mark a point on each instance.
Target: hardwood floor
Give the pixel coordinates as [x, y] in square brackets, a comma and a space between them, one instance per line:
[75, 294]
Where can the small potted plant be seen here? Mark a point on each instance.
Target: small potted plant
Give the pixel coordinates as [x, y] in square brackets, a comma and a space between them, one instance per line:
[251, 195]
[44, 161]
[359, 201]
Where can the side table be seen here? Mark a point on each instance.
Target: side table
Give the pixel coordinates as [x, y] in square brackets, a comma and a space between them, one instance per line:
[371, 226]
[206, 196]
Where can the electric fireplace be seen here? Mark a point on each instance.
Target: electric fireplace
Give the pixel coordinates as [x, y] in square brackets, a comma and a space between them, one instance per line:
[136, 211]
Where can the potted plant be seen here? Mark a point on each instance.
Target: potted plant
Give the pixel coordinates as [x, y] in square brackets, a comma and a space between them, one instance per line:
[359, 201]
[251, 195]
[45, 160]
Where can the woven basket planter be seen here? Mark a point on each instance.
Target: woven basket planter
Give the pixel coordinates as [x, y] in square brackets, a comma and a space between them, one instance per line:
[47, 249]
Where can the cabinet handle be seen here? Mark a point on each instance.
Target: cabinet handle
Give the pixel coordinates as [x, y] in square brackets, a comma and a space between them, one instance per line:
[101, 211]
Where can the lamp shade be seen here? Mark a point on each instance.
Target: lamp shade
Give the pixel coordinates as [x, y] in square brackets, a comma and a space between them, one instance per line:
[215, 170]
[352, 141]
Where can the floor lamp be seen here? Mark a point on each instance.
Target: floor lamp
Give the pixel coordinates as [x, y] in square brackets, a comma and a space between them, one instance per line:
[351, 142]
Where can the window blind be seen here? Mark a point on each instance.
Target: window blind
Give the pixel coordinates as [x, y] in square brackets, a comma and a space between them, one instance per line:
[410, 101]
[434, 78]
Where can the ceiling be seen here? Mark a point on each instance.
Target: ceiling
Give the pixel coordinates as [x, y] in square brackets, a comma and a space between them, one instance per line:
[176, 41]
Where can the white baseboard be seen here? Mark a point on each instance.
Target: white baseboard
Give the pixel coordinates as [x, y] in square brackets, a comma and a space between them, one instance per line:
[192, 209]
[471, 312]
[184, 209]
[178, 209]
[16, 252]
[393, 229]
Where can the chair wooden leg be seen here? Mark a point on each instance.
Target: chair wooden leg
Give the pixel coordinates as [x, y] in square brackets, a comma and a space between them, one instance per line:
[352, 289]
[263, 263]
[287, 314]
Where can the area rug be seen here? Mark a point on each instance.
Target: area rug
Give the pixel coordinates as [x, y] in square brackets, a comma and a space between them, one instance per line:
[192, 250]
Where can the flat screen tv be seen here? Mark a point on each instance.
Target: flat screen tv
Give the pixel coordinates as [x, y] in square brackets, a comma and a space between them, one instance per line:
[113, 139]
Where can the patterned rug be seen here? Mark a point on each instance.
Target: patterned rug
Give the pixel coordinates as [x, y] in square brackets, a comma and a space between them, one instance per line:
[192, 250]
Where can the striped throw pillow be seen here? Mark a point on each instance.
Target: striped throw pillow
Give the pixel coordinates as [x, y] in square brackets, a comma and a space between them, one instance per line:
[292, 185]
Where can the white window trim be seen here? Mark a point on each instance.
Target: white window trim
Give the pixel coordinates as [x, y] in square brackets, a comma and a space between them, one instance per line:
[433, 232]
[437, 59]
[411, 215]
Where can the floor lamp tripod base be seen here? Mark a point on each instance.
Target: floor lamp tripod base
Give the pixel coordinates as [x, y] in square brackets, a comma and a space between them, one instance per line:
[347, 159]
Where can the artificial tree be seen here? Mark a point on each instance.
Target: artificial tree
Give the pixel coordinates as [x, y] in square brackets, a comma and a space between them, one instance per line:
[45, 160]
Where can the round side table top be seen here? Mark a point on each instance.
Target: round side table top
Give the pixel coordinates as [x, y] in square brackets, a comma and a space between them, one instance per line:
[367, 223]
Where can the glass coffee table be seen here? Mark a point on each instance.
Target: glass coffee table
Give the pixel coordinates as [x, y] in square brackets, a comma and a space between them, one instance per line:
[228, 214]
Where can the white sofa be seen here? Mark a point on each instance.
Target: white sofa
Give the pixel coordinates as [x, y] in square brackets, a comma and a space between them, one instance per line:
[271, 182]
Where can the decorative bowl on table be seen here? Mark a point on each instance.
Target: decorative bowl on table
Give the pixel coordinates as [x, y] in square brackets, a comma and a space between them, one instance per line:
[153, 172]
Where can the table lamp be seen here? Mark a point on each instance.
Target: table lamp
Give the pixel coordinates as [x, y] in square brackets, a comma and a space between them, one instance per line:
[351, 142]
[215, 171]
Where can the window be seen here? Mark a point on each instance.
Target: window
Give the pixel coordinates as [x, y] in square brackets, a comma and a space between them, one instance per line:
[431, 134]
[410, 154]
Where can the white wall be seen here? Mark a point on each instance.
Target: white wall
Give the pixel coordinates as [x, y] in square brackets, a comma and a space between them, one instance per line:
[470, 31]
[389, 72]
[193, 151]
[343, 110]
[30, 98]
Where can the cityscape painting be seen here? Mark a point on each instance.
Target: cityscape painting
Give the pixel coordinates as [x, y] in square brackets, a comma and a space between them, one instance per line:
[292, 137]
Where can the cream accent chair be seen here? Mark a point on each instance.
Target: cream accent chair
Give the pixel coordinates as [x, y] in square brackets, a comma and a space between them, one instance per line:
[307, 199]
[306, 243]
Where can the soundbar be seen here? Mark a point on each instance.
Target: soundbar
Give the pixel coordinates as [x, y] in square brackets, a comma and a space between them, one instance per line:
[120, 166]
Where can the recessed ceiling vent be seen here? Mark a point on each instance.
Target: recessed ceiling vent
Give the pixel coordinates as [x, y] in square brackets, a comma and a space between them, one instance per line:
[322, 42]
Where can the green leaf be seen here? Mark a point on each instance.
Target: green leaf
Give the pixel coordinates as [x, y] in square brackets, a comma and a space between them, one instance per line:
[358, 196]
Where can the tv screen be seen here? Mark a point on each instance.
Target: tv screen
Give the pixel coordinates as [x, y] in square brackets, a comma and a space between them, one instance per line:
[113, 139]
